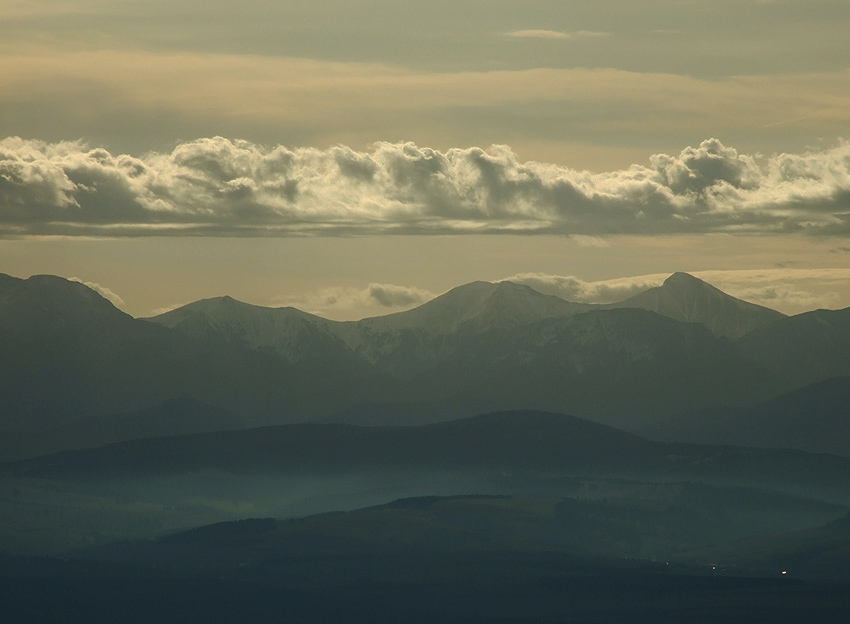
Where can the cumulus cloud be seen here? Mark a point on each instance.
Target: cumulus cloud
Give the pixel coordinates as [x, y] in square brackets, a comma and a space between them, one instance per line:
[217, 186]
[103, 291]
[374, 297]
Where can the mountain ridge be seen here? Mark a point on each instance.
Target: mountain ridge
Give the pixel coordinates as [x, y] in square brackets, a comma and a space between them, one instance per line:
[684, 297]
[480, 347]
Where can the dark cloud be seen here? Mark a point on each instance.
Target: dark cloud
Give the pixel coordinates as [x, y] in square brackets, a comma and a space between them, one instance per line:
[222, 187]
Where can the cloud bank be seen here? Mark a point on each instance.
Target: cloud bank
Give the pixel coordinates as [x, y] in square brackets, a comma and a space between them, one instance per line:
[380, 298]
[574, 288]
[223, 187]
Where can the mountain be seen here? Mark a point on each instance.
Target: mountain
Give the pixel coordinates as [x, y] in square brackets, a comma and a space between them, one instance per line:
[478, 306]
[296, 335]
[143, 488]
[815, 418]
[586, 529]
[70, 355]
[803, 349]
[183, 415]
[686, 298]
[511, 447]
[479, 347]
[62, 349]
[287, 332]
[46, 305]
[623, 367]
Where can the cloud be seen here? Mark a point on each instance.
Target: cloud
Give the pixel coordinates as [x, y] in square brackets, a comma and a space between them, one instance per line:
[375, 297]
[391, 296]
[221, 187]
[142, 100]
[555, 34]
[164, 309]
[103, 291]
[590, 241]
[573, 288]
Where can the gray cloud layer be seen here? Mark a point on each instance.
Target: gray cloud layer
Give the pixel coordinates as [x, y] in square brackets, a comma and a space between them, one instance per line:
[221, 187]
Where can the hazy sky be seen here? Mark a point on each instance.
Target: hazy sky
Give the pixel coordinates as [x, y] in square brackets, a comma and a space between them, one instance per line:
[358, 157]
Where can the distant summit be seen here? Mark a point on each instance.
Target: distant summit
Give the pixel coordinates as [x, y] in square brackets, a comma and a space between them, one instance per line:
[684, 297]
[482, 305]
[290, 333]
[45, 304]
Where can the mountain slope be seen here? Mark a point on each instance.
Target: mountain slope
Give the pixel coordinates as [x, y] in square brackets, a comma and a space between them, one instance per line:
[686, 298]
[182, 415]
[142, 488]
[624, 367]
[512, 447]
[664, 521]
[296, 335]
[287, 332]
[477, 306]
[805, 348]
[69, 355]
[815, 418]
[45, 305]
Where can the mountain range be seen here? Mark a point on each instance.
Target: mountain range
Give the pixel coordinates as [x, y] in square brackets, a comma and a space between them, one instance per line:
[71, 357]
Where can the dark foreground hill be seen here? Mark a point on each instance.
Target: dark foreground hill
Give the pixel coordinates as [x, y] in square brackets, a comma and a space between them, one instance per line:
[485, 588]
[821, 552]
[457, 559]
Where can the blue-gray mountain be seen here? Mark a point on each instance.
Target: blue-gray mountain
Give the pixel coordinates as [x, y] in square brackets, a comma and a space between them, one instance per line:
[815, 418]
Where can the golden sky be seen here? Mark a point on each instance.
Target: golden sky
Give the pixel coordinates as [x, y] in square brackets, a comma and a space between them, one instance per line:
[355, 158]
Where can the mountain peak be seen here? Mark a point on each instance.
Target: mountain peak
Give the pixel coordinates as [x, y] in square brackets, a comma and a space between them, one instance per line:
[45, 303]
[686, 298]
[680, 279]
[485, 305]
[289, 332]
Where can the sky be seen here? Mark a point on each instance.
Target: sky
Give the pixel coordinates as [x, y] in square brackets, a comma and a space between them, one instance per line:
[355, 158]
